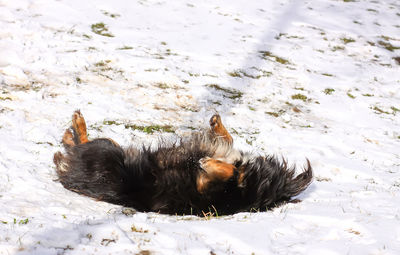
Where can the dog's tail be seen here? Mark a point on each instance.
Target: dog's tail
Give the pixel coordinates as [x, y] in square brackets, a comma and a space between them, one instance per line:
[298, 184]
[267, 181]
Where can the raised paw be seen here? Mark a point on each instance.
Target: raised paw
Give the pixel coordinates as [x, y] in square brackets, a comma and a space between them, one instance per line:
[79, 127]
[68, 139]
[218, 128]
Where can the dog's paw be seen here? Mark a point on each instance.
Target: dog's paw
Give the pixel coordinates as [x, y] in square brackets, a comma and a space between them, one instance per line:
[219, 130]
[68, 139]
[78, 122]
[79, 127]
[215, 120]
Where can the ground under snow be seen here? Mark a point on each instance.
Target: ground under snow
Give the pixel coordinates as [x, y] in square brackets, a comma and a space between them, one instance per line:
[317, 79]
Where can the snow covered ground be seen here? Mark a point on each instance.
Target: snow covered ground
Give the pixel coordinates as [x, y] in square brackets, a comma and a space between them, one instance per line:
[317, 79]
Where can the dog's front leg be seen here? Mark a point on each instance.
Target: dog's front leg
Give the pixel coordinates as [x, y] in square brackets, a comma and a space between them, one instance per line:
[219, 129]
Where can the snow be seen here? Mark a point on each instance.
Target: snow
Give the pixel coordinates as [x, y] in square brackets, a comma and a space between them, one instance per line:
[176, 63]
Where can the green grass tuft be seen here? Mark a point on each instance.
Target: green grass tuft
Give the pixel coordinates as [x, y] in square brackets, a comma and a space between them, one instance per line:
[103, 65]
[347, 40]
[112, 15]
[146, 129]
[101, 29]
[161, 85]
[138, 230]
[242, 73]
[379, 110]
[395, 110]
[229, 93]
[236, 74]
[275, 114]
[125, 48]
[267, 55]
[299, 97]
[335, 48]
[329, 91]
[388, 46]
[22, 222]
[151, 128]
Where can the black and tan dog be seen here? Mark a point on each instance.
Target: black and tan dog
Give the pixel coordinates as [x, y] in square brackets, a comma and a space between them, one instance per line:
[191, 176]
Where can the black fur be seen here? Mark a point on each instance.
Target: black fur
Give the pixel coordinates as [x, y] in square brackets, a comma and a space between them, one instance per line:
[164, 180]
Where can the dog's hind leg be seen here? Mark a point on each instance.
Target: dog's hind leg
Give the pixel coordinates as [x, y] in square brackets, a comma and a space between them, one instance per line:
[79, 128]
[219, 129]
[68, 139]
[214, 170]
[77, 133]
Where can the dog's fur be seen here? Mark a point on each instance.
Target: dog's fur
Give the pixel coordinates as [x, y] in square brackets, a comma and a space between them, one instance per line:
[198, 174]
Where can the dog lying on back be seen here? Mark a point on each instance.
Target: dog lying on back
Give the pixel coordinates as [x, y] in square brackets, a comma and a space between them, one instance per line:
[198, 174]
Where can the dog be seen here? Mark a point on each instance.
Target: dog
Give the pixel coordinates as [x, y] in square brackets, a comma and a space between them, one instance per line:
[196, 175]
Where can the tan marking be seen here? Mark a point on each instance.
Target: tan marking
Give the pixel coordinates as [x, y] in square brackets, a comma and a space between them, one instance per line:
[215, 170]
[202, 182]
[241, 176]
[218, 128]
[79, 125]
[113, 142]
[59, 161]
[68, 139]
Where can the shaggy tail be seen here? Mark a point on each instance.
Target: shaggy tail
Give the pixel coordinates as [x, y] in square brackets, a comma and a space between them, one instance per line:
[295, 186]
[269, 181]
